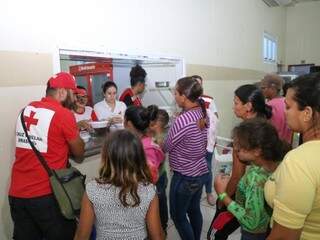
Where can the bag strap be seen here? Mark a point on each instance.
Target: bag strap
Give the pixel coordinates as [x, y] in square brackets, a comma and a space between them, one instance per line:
[38, 154]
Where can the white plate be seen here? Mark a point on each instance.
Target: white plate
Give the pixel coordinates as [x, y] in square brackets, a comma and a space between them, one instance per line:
[98, 124]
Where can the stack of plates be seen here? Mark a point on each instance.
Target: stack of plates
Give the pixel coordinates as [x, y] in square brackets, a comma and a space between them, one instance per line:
[98, 124]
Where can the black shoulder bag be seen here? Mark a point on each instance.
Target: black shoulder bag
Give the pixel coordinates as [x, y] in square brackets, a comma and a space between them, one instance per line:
[67, 184]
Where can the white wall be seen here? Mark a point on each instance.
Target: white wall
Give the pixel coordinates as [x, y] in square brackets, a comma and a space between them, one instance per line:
[208, 32]
[214, 32]
[303, 33]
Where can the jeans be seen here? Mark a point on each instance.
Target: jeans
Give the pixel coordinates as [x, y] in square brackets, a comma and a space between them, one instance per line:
[163, 204]
[185, 195]
[39, 218]
[208, 184]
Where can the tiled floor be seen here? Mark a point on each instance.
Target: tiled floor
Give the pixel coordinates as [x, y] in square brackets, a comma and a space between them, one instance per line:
[207, 213]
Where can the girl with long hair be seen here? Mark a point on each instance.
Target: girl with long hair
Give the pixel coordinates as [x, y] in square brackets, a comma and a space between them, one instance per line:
[137, 119]
[256, 143]
[121, 201]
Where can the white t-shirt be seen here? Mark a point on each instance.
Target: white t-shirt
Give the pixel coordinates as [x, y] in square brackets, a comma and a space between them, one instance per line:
[212, 131]
[86, 115]
[104, 111]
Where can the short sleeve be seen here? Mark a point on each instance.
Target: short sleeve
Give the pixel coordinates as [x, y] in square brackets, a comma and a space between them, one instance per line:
[295, 193]
[68, 125]
[91, 190]
[128, 100]
[150, 192]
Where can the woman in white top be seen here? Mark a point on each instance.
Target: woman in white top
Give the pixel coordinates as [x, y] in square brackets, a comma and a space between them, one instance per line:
[110, 109]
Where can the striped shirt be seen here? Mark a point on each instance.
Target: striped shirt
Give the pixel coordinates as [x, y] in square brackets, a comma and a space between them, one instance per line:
[186, 144]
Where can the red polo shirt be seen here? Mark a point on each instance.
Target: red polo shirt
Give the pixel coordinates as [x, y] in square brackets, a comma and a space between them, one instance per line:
[49, 126]
[129, 99]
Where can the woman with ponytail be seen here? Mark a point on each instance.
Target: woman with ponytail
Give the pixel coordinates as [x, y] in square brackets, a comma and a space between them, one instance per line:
[186, 144]
[137, 119]
[257, 144]
[249, 103]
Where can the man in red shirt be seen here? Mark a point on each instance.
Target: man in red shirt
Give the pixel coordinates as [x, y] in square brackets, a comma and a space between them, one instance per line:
[130, 96]
[53, 130]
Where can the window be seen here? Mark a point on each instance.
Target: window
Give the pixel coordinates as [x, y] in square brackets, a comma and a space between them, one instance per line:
[269, 48]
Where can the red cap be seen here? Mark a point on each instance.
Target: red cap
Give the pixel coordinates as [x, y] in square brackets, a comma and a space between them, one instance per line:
[80, 92]
[62, 80]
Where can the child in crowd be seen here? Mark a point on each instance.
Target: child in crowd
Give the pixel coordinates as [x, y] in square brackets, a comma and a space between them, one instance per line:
[122, 201]
[158, 130]
[82, 112]
[256, 142]
[138, 119]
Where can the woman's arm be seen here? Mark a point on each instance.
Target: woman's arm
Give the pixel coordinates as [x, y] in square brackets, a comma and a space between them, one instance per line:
[280, 232]
[86, 219]
[153, 221]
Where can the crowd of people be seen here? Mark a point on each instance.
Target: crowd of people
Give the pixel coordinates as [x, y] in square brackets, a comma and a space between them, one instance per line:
[273, 191]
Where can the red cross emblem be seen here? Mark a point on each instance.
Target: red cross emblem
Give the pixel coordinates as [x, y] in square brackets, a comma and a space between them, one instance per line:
[30, 120]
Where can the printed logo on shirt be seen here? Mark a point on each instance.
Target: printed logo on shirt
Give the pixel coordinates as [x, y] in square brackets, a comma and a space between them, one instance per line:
[37, 122]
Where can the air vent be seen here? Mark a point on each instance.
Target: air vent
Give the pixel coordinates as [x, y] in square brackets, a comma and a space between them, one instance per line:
[277, 3]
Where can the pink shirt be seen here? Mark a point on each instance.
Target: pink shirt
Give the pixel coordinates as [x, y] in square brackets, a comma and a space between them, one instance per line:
[278, 118]
[154, 156]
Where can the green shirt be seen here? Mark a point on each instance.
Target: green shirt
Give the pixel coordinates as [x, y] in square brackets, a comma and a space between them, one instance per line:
[250, 207]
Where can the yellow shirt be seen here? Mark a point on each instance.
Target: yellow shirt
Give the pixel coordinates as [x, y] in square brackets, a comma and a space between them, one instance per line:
[293, 191]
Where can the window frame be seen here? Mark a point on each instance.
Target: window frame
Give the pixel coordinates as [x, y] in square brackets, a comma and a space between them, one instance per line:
[269, 48]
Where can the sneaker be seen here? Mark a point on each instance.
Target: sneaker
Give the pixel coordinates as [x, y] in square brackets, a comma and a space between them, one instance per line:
[211, 199]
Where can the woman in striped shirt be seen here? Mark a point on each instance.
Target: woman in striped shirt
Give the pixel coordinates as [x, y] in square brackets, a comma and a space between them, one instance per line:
[186, 145]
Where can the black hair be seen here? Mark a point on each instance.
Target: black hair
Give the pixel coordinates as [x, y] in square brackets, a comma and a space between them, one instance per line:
[258, 133]
[285, 88]
[107, 85]
[81, 87]
[124, 165]
[192, 89]
[250, 93]
[141, 117]
[163, 117]
[137, 74]
[307, 91]
[197, 77]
